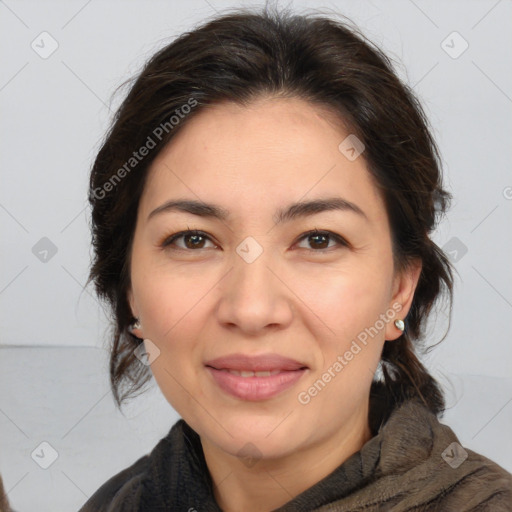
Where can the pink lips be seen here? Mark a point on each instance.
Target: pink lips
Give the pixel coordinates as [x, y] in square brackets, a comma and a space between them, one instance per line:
[226, 372]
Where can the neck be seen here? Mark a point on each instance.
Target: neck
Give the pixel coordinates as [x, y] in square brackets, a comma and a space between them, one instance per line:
[267, 484]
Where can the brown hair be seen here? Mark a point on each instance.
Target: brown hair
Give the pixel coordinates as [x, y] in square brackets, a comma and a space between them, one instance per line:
[238, 57]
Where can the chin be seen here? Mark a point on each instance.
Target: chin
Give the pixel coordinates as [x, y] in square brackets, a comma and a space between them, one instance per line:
[254, 437]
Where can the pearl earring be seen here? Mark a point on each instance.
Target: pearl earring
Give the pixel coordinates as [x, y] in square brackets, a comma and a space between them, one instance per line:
[135, 325]
[399, 324]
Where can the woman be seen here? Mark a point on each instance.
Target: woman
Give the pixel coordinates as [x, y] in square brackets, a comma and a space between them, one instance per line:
[261, 212]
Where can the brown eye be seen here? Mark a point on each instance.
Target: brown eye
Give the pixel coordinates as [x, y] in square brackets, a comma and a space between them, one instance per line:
[191, 240]
[319, 240]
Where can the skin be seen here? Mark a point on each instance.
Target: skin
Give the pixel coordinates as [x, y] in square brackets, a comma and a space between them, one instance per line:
[196, 304]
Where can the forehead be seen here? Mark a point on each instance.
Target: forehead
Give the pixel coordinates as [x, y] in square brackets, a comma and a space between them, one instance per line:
[275, 150]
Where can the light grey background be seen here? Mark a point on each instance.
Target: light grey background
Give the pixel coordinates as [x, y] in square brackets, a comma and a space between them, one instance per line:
[55, 111]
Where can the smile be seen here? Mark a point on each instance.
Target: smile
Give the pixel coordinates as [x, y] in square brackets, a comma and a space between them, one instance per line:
[255, 386]
[255, 377]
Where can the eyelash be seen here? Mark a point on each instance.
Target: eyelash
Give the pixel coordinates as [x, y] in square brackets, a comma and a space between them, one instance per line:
[168, 240]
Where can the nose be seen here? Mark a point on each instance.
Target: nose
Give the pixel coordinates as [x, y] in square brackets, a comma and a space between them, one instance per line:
[255, 297]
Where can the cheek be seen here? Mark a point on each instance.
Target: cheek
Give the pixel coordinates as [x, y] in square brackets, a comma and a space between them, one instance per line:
[350, 303]
[174, 317]
[351, 306]
[168, 298]
[347, 300]
[173, 307]
[179, 385]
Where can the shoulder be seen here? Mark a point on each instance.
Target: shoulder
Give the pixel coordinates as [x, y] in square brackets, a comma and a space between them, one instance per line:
[423, 457]
[117, 488]
[483, 485]
[466, 480]
[124, 490]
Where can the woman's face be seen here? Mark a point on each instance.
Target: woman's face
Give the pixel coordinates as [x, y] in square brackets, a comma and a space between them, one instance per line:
[254, 283]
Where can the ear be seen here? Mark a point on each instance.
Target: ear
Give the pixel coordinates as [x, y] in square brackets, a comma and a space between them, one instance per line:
[404, 286]
[135, 313]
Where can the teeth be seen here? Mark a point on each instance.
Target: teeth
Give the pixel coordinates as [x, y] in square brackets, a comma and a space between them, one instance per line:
[244, 373]
[262, 374]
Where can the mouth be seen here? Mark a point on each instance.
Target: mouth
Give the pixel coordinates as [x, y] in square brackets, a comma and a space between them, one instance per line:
[255, 378]
[249, 373]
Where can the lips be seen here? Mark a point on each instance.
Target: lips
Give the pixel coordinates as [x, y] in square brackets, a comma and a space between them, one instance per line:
[255, 377]
[264, 362]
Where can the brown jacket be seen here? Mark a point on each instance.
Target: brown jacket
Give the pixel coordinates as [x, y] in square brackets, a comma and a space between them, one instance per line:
[414, 463]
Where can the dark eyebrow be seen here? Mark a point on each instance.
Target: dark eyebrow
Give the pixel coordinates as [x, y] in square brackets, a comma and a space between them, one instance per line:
[191, 206]
[307, 208]
[293, 211]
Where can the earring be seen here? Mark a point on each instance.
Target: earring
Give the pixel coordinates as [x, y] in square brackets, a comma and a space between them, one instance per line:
[135, 325]
[399, 324]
